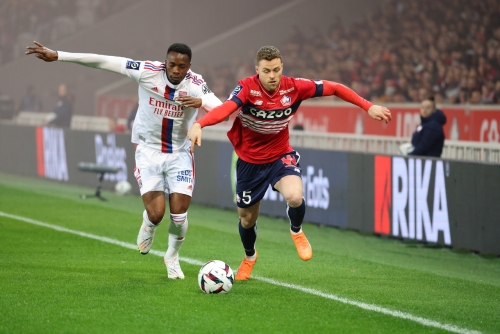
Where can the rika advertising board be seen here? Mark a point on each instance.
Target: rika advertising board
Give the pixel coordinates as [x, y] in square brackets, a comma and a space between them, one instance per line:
[435, 201]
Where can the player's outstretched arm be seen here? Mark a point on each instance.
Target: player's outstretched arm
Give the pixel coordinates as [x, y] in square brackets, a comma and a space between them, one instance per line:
[215, 116]
[42, 52]
[376, 112]
[109, 63]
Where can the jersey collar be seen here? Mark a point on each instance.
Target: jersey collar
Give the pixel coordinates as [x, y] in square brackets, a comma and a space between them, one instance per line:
[268, 93]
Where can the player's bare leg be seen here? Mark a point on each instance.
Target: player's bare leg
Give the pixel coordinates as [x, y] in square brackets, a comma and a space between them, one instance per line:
[248, 233]
[154, 202]
[290, 187]
[179, 204]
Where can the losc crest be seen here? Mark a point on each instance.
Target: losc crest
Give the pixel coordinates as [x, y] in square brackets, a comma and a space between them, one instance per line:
[410, 199]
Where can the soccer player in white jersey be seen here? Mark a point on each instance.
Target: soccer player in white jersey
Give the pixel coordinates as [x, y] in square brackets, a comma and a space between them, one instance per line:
[169, 97]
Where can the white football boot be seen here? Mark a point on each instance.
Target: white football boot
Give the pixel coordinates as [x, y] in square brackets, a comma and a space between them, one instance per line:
[174, 270]
[145, 238]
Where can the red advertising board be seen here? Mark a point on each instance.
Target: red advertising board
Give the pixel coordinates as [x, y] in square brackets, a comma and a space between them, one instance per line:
[475, 123]
[463, 122]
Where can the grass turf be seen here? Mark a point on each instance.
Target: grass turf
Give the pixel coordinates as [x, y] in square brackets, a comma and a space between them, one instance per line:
[53, 281]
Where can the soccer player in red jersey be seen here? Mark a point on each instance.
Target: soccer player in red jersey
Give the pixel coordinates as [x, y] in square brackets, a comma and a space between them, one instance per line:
[268, 101]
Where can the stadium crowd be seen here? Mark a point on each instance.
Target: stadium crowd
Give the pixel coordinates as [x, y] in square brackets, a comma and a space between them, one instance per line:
[22, 21]
[402, 52]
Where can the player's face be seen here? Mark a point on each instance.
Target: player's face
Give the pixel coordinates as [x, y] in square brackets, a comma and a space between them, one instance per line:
[270, 72]
[177, 65]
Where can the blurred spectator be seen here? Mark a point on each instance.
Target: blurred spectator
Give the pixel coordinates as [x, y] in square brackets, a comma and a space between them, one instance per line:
[131, 117]
[428, 139]
[63, 108]
[496, 95]
[475, 97]
[30, 101]
[7, 107]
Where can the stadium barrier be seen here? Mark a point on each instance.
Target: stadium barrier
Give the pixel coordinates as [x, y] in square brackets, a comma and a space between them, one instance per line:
[456, 150]
[453, 149]
[78, 122]
[433, 201]
[480, 123]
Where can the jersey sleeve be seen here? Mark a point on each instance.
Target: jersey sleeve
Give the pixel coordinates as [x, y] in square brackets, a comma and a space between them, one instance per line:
[218, 114]
[345, 93]
[208, 98]
[308, 88]
[239, 94]
[130, 68]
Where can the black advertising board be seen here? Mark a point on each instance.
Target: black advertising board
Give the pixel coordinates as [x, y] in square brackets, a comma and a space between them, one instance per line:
[451, 203]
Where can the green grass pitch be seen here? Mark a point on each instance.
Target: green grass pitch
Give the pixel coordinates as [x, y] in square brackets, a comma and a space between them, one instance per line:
[52, 281]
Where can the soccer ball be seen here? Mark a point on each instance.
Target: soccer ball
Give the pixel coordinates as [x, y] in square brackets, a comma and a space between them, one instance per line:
[215, 277]
[122, 188]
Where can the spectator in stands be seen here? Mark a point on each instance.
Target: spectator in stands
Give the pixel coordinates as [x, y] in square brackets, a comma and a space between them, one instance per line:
[30, 101]
[63, 109]
[131, 117]
[475, 97]
[428, 139]
[404, 50]
[496, 95]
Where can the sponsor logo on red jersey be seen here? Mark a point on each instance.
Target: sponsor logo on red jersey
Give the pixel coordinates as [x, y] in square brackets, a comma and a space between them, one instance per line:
[284, 91]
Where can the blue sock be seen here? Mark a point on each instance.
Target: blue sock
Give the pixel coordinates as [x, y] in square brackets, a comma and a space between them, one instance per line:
[248, 237]
[296, 216]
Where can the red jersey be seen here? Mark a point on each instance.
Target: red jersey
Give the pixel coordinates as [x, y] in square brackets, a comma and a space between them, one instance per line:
[260, 132]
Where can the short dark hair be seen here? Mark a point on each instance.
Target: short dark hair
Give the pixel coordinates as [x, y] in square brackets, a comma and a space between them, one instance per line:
[180, 48]
[432, 99]
[267, 53]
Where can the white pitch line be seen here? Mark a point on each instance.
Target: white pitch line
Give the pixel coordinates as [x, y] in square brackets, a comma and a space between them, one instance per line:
[365, 306]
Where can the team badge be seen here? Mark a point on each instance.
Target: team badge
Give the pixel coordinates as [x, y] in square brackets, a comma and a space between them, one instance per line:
[133, 65]
[286, 101]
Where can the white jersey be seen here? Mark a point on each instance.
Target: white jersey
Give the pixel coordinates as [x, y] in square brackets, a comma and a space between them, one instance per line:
[161, 123]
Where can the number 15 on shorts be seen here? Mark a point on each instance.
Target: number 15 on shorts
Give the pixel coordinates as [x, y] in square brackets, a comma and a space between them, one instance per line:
[245, 198]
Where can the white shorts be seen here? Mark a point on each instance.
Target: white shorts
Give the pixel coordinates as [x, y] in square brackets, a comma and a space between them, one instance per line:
[168, 172]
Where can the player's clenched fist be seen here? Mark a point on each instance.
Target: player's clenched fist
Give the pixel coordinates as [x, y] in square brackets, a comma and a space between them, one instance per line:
[380, 113]
[194, 135]
[42, 52]
[189, 101]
